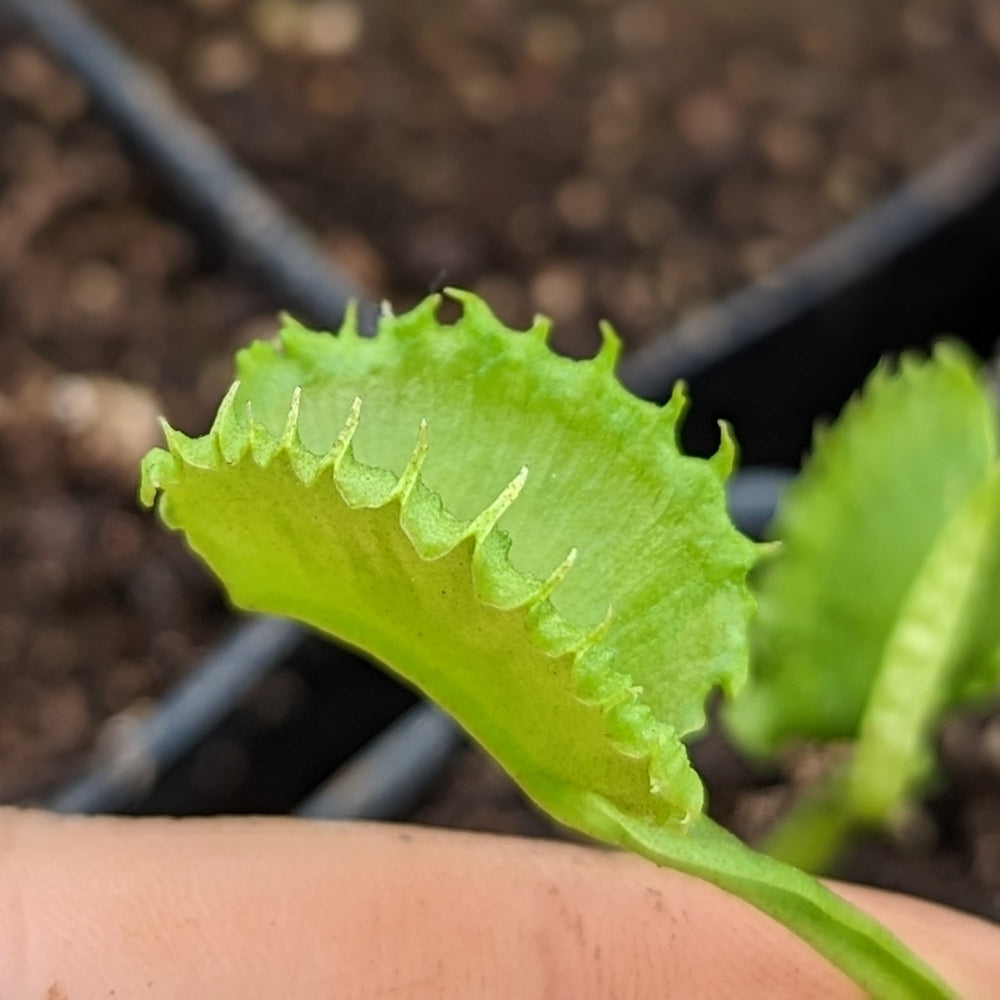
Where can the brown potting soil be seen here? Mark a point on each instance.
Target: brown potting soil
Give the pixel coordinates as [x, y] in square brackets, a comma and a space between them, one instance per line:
[629, 160]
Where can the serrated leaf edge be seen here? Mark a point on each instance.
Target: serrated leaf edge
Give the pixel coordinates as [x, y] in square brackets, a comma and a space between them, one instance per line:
[630, 724]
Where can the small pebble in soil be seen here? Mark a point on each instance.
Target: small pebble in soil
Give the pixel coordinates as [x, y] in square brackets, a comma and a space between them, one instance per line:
[112, 423]
[709, 122]
[95, 288]
[582, 203]
[558, 291]
[331, 27]
[223, 64]
[32, 79]
[640, 26]
[552, 39]
[651, 220]
[789, 147]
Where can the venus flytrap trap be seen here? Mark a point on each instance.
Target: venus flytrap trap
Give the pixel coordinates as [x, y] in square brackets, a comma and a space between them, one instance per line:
[881, 608]
[521, 539]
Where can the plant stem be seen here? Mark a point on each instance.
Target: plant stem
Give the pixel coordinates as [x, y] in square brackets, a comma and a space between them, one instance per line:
[854, 942]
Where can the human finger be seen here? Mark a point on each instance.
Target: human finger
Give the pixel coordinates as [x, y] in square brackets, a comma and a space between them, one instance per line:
[275, 908]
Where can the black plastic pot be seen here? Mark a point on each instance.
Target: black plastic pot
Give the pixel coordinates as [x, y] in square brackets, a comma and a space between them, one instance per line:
[771, 360]
[775, 357]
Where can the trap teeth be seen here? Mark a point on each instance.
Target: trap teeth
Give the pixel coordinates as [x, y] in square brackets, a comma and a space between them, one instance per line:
[411, 474]
[548, 588]
[487, 520]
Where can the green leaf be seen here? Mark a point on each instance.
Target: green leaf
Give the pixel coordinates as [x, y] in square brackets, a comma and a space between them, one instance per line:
[857, 530]
[509, 530]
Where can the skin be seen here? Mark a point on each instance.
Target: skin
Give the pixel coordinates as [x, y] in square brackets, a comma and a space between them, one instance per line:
[276, 908]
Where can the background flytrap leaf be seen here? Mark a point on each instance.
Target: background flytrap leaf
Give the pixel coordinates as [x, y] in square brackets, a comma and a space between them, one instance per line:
[857, 529]
[519, 537]
[880, 610]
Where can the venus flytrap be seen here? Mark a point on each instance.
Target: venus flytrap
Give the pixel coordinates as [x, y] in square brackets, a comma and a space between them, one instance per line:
[521, 539]
[881, 608]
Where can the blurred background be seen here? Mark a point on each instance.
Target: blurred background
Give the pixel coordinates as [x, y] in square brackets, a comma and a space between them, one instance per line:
[628, 159]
